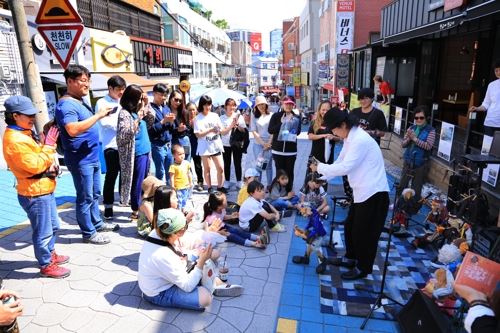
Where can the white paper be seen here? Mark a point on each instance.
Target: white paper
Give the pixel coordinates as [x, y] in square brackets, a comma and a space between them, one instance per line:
[445, 141]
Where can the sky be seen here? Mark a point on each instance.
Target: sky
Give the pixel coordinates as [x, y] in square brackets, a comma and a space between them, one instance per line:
[258, 15]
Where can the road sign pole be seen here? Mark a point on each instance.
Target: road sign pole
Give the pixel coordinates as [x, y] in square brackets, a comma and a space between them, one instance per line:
[32, 80]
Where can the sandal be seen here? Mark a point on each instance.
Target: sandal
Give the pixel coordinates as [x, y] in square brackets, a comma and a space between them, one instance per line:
[134, 216]
[300, 260]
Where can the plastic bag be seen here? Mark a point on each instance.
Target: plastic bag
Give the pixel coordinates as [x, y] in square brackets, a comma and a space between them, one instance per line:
[263, 160]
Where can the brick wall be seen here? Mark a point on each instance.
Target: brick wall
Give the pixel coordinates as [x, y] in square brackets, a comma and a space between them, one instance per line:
[367, 19]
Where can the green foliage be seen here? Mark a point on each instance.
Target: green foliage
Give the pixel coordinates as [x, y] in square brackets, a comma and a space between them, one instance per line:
[222, 24]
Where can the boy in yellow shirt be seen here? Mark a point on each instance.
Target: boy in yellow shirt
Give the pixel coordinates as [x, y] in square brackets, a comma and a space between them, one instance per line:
[250, 175]
[180, 175]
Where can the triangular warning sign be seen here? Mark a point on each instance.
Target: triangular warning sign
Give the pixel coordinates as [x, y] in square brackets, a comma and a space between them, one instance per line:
[62, 40]
[57, 11]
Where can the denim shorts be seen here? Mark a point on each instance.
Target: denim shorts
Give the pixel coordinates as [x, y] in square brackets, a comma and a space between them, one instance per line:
[175, 297]
[183, 197]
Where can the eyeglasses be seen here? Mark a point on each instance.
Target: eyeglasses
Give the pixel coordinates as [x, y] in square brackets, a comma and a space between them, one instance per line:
[419, 118]
[178, 100]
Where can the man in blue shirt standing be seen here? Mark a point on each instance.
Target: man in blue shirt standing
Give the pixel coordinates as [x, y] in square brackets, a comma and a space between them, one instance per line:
[80, 140]
[160, 133]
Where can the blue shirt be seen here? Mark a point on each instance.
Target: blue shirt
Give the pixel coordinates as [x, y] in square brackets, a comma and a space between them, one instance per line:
[160, 134]
[83, 148]
[142, 143]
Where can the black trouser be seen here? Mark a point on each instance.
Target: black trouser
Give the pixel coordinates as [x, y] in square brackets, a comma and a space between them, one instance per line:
[237, 156]
[417, 177]
[286, 163]
[198, 169]
[112, 170]
[256, 221]
[363, 227]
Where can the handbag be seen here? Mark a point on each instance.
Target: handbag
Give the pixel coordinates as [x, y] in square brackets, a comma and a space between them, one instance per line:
[237, 139]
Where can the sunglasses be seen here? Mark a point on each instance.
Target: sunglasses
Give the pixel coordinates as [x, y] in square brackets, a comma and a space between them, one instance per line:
[419, 118]
[178, 100]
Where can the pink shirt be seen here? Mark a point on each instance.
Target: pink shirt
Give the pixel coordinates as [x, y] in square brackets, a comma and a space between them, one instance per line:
[211, 218]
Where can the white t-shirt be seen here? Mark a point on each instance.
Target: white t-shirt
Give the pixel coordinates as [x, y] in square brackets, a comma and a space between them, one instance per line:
[248, 210]
[260, 125]
[226, 122]
[492, 104]
[211, 143]
[108, 123]
[160, 268]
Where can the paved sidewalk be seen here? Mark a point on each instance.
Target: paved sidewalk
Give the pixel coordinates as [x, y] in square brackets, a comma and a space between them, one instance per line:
[102, 292]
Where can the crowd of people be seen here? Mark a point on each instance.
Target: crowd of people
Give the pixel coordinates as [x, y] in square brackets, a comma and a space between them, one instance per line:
[133, 130]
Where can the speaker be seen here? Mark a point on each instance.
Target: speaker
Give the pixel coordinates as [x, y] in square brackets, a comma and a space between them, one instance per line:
[486, 242]
[421, 314]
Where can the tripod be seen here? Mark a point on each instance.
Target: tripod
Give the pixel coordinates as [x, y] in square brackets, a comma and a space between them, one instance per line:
[381, 293]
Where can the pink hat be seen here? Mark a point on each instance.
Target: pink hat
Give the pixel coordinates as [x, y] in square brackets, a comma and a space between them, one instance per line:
[288, 100]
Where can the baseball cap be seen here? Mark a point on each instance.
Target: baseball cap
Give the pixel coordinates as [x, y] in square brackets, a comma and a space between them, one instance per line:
[288, 100]
[251, 172]
[170, 220]
[20, 104]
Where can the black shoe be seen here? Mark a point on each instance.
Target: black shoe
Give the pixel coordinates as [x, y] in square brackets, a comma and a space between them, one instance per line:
[108, 213]
[353, 274]
[198, 188]
[300, 260]
[344, 262]
[324, 216]
[222, 189]
[211, 190]
[321, 268]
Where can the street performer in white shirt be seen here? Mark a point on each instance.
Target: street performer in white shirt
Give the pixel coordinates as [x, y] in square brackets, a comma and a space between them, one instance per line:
[361, 160]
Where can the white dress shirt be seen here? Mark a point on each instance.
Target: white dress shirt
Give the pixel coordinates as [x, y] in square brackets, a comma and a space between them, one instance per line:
[109, 123]
[361, 160]
[492, 104]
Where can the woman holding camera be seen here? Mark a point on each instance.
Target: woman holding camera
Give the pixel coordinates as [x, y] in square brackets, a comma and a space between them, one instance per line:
[35, 168]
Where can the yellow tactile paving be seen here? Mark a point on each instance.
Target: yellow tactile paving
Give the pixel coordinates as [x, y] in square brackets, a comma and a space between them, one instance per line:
[286, 326]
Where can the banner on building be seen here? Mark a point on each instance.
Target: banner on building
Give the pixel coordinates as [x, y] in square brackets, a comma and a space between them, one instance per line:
[445, 141]
[256, 42]
[345, 26]
[490, 173]
[342, 70]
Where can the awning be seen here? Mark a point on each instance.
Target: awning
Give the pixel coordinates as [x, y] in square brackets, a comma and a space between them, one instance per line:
[99, 82]
[328, 86]
[471, 13]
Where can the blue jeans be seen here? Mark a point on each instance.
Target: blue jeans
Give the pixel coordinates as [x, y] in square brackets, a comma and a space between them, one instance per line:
[175, 297]
[87, 180]
[282, 204]
[162, 158]
[42, 212]
[186, 144]
[236, 235]
[141, 170]
[257, 149]
[183, 197]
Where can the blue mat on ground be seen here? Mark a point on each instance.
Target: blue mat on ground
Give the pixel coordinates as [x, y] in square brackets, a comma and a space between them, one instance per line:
[408, 270]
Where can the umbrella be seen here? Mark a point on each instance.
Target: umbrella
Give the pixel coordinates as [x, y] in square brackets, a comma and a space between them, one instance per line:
[219, 96]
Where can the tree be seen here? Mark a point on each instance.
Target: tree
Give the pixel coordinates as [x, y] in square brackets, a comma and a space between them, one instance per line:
[208, 14]
[222, 24]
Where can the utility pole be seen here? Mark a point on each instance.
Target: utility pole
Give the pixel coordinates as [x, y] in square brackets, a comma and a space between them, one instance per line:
[32, 80]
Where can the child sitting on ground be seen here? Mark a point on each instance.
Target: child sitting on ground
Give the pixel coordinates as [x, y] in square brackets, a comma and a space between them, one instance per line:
[279, 197]
[313, 236]
[149, 186]
[251, 174]
[180, 175]
[215, 210]
[256, 213]
[313, 195]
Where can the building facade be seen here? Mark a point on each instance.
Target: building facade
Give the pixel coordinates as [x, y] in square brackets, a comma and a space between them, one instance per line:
[241, 59]
[275, 42]
[308, 49]
[266, 74]
[290, 64]
[253, 38]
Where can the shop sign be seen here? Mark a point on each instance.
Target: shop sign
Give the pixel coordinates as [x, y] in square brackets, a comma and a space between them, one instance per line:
[160, 70]
[447, 25]
[345, 26]
[342, 70]
[296, 76]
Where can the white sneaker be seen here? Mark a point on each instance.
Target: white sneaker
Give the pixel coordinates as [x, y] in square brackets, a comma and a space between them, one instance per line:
[279, 228]
[239, 185]
[228, 290]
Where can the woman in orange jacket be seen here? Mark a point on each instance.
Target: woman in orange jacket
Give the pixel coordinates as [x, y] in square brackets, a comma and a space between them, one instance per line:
[33, 164]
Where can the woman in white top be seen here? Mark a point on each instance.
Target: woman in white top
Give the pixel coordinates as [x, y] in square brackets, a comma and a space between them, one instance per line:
[232, 121]
[207, 128]
[259, 123]
[491, 104]
[163, 269]
[362, 161]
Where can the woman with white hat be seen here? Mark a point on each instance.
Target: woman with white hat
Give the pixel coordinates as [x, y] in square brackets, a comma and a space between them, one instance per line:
[259, 123]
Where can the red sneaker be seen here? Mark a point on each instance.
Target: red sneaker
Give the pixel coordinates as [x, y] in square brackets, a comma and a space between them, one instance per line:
[52, 270]
[58, 259]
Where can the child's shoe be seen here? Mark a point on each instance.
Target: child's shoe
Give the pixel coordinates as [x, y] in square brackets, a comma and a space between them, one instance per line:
[279, 228]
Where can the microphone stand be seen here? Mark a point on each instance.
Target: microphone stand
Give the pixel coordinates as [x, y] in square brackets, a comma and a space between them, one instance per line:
[381, 293]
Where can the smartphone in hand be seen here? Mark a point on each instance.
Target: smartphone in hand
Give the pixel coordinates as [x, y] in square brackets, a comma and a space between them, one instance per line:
[113, 110]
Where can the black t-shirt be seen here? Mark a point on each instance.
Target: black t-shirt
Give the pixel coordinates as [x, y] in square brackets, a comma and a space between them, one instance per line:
[318, 146]
[373, 120]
